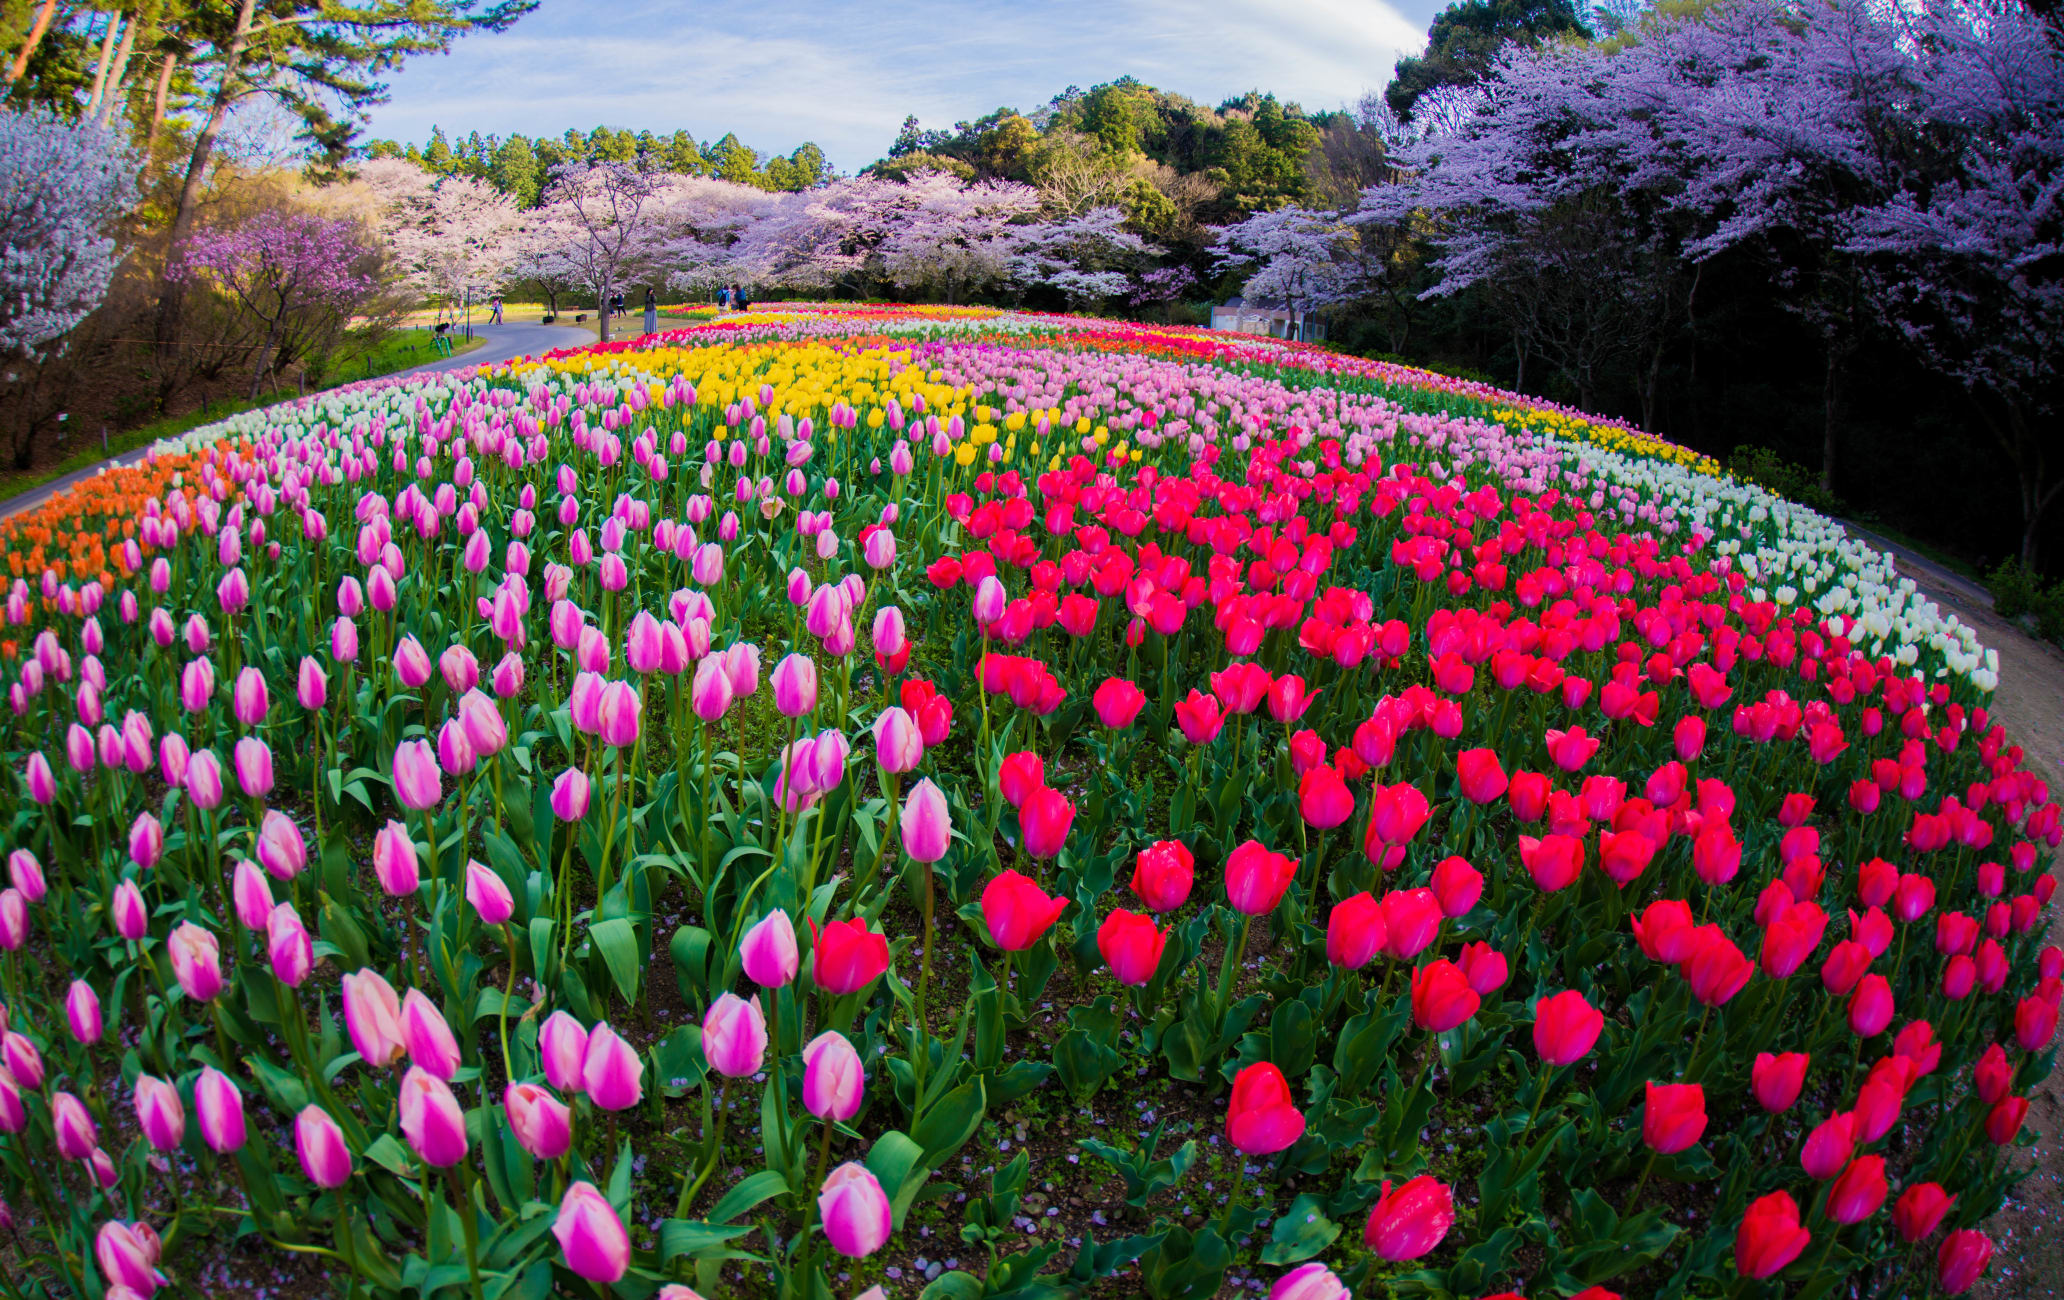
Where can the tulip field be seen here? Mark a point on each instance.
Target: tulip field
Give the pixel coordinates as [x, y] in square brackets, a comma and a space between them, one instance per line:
[962, 804]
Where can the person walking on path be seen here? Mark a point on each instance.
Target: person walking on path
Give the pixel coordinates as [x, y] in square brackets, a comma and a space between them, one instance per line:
[744, 301]
[651, 311]
[723, 298]
[496, 318]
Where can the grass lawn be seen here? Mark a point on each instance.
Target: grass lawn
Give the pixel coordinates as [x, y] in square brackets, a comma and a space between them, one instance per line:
[401, 349]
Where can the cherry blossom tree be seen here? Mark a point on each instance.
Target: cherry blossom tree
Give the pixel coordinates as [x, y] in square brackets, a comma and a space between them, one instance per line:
[298, 276]
[448, 233]
[1967, 260]
[1300, 258]
[612, 223]
[1088, 257]
[944, 235]
[62, 184]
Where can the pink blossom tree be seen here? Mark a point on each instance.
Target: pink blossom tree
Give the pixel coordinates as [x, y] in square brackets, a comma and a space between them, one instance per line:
[62, 184]
[298, 277]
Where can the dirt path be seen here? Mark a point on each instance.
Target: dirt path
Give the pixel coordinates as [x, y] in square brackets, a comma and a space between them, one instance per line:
[2028, 1234]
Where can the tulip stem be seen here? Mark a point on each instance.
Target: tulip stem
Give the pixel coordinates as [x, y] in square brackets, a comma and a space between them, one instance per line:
[1233, 1200]
[688, 1189]
[1640, 1184]
[923, 1052]
[467, 1225]
[810, 1204]
[508, 991]
[1233, 957]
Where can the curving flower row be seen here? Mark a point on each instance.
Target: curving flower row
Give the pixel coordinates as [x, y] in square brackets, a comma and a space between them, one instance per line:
[657, 819]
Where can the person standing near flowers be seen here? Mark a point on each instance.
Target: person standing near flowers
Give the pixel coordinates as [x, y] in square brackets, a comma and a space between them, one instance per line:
[651, 311]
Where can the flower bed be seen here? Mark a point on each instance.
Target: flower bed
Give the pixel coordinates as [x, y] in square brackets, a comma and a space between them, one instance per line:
[996, 804]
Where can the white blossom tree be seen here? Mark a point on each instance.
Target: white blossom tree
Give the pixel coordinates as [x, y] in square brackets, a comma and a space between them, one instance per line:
[62, 184]
[448, 232]
[1088, 257]
[614, 223]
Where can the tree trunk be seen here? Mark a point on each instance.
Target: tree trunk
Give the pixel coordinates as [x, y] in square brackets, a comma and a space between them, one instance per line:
[157, 121]
[113, 95]
[171, 294]
[28, 49]
[1830, 400]
[602, 302]
[100, 65]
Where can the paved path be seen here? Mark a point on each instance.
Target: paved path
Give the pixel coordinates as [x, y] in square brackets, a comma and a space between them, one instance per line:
[503, 343]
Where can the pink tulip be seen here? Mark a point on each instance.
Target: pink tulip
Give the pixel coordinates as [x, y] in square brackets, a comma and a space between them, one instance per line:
[854, 1209]
[128, 1257]
[563, 1043]
[431, 1046]
[14, 919]
[196, 961]
[127, 909]
[82, 1011]
[372, 1016]
[611, 1072]
[248, 699]
[411, 662]
[621, 706]
[146, 841]
[220, 1108]
[25, 873]
[416, 780]
[734, 1036]
[488, 894]
[325, 1159]
[570, 795]
[312, 685]
[281, 850]
[926, 824]
[541, 1122]
[73, 1126]
[431, 1119]
[251, 895]
[833, 1080]
[253, 761]
[591, 1235]
[159, 1113]
[795, 685]
[768, 951]
[21, 1059]
[42, 785]
[394, 861]
[898, 746]
[481, 719]
[288, 946]
[710, 694]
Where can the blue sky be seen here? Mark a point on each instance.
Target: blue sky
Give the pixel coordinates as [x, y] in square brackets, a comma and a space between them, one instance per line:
[779, 72]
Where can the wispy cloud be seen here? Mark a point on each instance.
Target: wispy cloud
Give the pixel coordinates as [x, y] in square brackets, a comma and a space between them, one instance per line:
[844, 75]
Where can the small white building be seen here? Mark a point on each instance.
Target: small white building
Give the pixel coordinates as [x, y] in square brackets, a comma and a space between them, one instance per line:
[1276, 322]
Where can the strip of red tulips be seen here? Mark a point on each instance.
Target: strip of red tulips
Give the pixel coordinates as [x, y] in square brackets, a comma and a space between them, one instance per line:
[1352, 757]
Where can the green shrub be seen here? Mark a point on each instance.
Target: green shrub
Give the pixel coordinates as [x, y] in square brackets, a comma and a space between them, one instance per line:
[1762, 466]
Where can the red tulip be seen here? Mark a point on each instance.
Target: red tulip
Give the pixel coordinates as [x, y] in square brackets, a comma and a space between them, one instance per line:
[1829, 1146]
[1354, 931]
[1716, 968]
[1017, 911]
[1962, 1260]
[1018, 776]
[1118, 702]
[1791, 937]
[1920, 1210]
[1870, 1006]
[1664, 929]
[1858, 1192]
[1395, 815]
[1553, 860]
[1411, 920]
[1527, 795]
[1457, 886]
[2035, 1022]
[1992, 1078]
[1770, 1237]
[1778, 1079]
[1256, 878]
[848, 957]
[1241, 687]
[1045, 819]
[1441, 996]
[1673, 1117]
[1411, 1220]
[2003, 1121]
[1484, 967]
[1324, 799]
[1163, 875]
[1200, 718]
[1131, 946]
[1565, 1027]
[1260, 1119]
[1482, 777]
